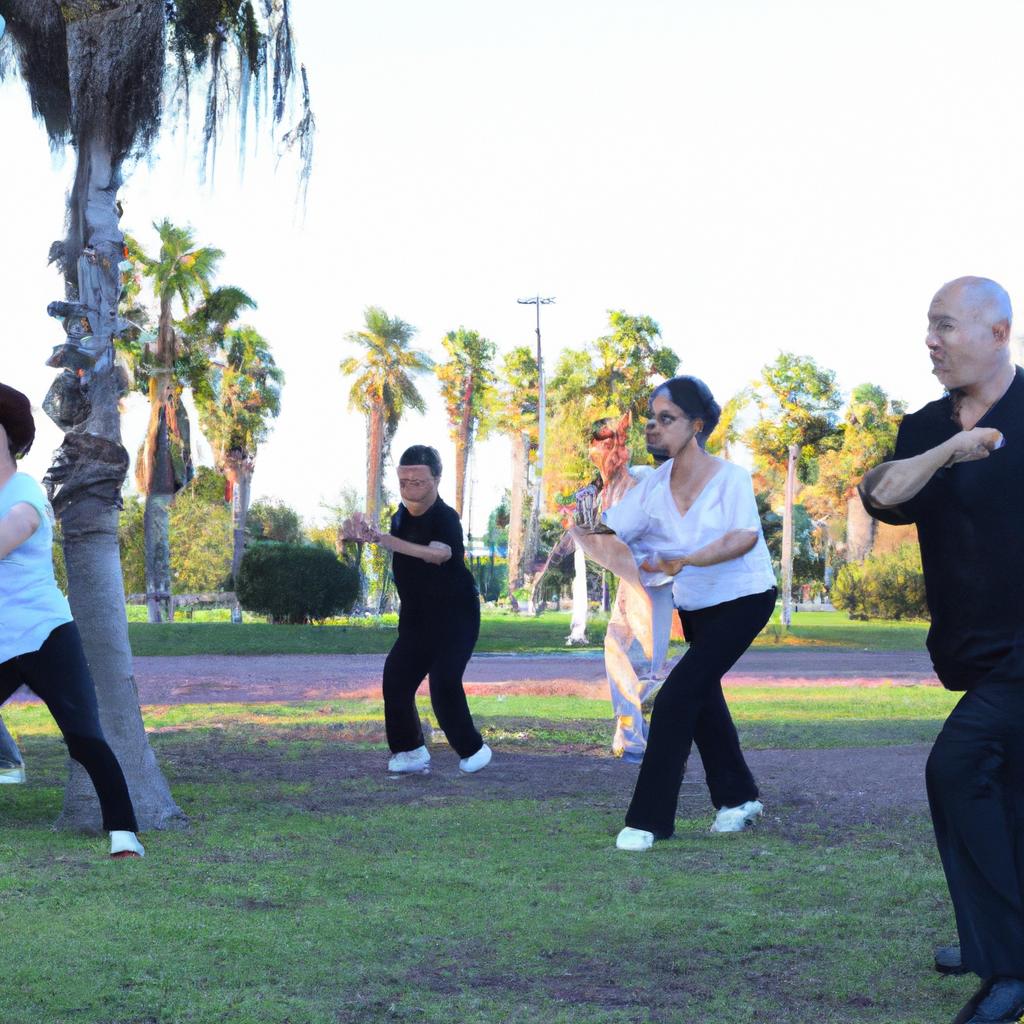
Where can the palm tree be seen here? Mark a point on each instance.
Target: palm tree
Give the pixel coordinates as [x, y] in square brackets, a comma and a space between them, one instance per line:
[182, 270]
[517, 418]
[95, 75]
[383, 389]
[235, 409]
[467, 379]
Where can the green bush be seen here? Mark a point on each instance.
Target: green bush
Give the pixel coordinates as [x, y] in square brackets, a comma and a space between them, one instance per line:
[295, 583]
[889, 586]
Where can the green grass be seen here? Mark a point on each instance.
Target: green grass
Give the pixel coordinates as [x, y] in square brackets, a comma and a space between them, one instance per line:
[310, 889]
[499, 633]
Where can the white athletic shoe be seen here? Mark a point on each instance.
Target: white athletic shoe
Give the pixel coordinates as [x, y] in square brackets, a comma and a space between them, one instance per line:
[481, 759]
[634, 839]
[736, 819]
[126, 844]
[11, 773]
[407, 761]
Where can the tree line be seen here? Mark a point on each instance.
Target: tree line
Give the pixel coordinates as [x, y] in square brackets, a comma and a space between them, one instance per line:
[790, 418]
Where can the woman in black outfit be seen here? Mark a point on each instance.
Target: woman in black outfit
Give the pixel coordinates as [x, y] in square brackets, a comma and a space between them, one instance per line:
[438, 622]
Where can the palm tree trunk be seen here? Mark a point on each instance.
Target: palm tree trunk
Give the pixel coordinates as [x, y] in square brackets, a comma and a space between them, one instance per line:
[90, 466]
[463, 443]
[238, 470]
[516, 524]
[374, 461]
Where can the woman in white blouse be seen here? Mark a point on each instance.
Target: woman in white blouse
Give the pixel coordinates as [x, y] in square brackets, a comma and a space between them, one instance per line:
[695, 519]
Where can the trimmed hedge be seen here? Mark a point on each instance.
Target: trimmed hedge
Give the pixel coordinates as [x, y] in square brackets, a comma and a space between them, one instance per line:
[889, 586]
[295, 583]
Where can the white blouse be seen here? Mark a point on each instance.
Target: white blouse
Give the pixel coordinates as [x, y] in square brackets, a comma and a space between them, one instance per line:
[648, 520]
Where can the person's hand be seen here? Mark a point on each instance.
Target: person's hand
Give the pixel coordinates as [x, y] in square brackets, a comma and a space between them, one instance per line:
[668, 566]
[360, 529]
[974, 444]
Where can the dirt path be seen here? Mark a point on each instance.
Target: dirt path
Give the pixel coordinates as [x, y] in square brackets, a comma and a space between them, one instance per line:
[225, 678]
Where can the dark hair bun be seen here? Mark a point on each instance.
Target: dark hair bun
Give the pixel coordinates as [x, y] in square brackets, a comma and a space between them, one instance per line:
[694, 397]
[16, 419]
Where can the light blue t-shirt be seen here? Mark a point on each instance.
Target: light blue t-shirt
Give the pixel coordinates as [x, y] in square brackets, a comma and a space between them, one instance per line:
[31, 604]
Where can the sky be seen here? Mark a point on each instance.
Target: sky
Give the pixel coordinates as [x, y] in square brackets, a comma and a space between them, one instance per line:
[756, 177]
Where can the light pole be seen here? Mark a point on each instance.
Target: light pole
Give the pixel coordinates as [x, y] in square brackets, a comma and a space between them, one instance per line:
[533, 537]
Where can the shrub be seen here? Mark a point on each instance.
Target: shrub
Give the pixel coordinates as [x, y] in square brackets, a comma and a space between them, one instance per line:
[889, 586]
[295, 583]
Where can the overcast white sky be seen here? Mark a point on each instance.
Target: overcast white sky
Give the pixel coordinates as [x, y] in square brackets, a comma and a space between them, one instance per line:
[755, 176]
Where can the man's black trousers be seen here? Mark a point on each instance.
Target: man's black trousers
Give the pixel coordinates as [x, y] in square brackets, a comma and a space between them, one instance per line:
[59, 674]
[690, 707]
[976, 791]
[439, 648]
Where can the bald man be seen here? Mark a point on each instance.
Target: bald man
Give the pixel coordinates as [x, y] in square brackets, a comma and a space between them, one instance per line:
[958, 473]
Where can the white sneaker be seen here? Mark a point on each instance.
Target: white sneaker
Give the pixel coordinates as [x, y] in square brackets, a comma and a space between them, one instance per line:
[481, 759]
[634, 839]
[12, 773]
[126, 844]
[406, 761]
[736, 819]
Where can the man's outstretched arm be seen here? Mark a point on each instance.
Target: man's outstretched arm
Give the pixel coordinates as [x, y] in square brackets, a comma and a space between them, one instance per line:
[893, 483]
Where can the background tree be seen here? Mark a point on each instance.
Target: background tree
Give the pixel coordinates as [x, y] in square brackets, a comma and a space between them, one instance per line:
[796, 401]
[728, 433]
[95, 74]
[629, 361]
[868, 433]
[241, 396]
[383, 388]
[273, 520]
[516, 417]
[182, 270]
[467, 381]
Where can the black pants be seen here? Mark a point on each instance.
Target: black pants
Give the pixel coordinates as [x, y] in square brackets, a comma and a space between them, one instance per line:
[690, 708]
[59, 675]
[440, 649]
[975, 781]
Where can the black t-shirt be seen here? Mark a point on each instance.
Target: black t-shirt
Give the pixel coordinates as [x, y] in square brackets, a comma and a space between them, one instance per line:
[969, 521]
[430, 592]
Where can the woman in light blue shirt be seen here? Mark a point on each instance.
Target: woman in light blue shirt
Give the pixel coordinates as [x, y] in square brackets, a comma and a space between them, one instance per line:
[39, 643]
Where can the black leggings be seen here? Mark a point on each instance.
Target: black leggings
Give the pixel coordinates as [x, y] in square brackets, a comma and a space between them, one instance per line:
[59, 675]
[440, 650]
[690, 708]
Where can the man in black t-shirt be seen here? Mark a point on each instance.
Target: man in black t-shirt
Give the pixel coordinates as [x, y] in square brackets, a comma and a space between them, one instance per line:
[958, 474]
[438, 622]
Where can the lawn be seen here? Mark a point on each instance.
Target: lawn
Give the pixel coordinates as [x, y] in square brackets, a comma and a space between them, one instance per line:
[498, 633]
[312, 888]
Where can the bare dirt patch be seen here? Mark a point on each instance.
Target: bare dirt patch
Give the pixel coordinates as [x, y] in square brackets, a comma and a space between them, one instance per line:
[834, 788]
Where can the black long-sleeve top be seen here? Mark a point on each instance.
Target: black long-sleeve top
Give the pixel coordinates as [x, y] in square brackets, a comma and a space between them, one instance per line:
[970, 522]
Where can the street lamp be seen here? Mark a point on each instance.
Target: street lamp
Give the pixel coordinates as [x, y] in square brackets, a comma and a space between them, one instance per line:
[538, 483]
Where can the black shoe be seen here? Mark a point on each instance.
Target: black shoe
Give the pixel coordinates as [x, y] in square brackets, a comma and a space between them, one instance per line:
[947, 960]
[1003, 1003]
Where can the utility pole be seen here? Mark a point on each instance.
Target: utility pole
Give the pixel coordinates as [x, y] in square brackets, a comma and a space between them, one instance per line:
[787, 538]
[533, 533]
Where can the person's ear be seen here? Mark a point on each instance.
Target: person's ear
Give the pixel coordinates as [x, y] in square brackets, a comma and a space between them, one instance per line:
[698, 426]
[1001, 332]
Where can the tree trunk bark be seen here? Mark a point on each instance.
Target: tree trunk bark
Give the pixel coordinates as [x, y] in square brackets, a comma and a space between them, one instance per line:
[238, 468]
[578, 628]
[90, 466]
[463, 444]
[860, 529]
[516, 525]
[787, 539]
[156, 528]
[374, 461]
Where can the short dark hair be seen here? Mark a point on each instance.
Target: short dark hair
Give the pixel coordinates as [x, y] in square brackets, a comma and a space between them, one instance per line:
[694, 397]
[16, 419]
[422, 455]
